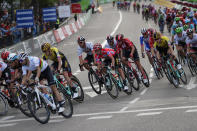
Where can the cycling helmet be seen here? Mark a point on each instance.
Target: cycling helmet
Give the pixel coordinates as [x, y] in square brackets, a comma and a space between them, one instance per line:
[45, 47]
[187, 21]
[179, 30]
[151, 31]
[22, 56]
[119, 37]
[97, 46]
[110, 38]
[185, 27]
[189, 31]
[177, 19]
[12, 57]
[156, 35]
[81, 38]
[4, 55]
[143, 31]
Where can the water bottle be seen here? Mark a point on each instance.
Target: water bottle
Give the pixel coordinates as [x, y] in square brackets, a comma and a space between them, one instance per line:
[47, 97]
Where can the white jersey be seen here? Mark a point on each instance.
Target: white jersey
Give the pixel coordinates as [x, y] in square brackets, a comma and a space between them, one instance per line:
[182, 39]
[88, 49]
[34, 62]
[114, 46]
[3, 66]
[193, 41]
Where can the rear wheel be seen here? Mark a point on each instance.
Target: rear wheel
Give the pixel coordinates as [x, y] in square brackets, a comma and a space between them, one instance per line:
[80, 91]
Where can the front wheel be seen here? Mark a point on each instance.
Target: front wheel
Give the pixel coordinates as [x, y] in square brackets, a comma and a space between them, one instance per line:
[3, 106]
[111, 86]
[38, 108]
[94, 82]
[80, 91]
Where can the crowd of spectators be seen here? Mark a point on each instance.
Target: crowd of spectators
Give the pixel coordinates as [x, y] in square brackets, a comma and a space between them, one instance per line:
[10, 34]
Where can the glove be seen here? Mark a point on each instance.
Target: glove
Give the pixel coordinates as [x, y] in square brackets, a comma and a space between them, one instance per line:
[36, 79]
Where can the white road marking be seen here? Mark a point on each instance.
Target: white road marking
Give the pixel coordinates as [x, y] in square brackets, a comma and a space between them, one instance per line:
[112, 112]
[56, 121]
[99, 117]
[93, 94]
[150, 80]
[90, 87]
[194, 110]
[144, 91]
[134, 101]
[151, 75]
[7, 118]
[149, 114]
[191, 84]
[77, 72]
[6, 125]
[124, 108]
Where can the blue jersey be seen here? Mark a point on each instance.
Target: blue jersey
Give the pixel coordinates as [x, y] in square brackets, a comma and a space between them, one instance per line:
[146, 42]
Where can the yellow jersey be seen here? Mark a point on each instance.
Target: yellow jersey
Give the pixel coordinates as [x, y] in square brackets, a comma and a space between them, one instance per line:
[163, 43]
[55, 54]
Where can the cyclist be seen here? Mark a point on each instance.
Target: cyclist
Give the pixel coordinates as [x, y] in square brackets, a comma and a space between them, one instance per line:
[128, 50]
[4, 56]
[147, 42]
[110, 58]
[34, 64]
[111, 43]
[164, 48]
[86, 47]
[191, 42]
[180, 41]
[59, 62]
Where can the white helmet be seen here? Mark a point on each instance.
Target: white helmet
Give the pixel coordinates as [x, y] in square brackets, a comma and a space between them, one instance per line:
[12, 57]
[143, 30]
[22, 56]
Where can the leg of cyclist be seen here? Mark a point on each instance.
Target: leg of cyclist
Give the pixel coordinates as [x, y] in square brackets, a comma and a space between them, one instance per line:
[148, 53]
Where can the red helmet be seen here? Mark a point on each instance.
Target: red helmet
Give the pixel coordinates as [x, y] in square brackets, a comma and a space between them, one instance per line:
[151, 31]
[97, 46]
[119, 37]
[4, 55]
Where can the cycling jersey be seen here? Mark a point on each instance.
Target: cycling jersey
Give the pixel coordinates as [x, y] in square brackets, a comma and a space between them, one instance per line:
[147, 41]
[193, 41]
[3, 66]
[105, 53]
[127, 44]
[163, 42]
[88, 49]
[34, 62]
[112, 47]
[180, 40]
[55, 54]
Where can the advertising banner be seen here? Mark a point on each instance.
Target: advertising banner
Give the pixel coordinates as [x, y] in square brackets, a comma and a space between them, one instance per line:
[49, 14]
[24, 18]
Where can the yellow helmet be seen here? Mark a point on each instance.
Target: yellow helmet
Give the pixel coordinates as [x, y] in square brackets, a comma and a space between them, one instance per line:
[45, 47]
[157, 35]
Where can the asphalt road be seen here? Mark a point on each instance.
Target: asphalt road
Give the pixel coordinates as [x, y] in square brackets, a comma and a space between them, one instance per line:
[161, 107]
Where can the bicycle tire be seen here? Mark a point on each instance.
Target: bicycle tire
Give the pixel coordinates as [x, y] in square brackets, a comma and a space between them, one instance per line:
[130, 86]
[25, 110]
[68, 105]
[135, 79]
[114, 96]
[90, 77]
[168, 75]
[148, 83]
[174, 78]
[80, 98]
[183, 77]
[156, 70]
[4, 105]
[32, 105]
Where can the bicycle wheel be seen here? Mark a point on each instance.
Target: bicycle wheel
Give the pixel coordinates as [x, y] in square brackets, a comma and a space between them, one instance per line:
[96, 86]
[111, 87]
[130, 86]
[174, 78]
[68, 106]
[22, 102]
[80, 91]
[190, 65]
[167, 73]
[39, 110]
[3, 106]
[156, 70]
[147, 84]
[183, 76]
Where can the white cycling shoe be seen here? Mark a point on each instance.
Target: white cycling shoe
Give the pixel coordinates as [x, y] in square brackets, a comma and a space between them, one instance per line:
[61, 109]
[75, 95]
[126, 88]
[179, 66]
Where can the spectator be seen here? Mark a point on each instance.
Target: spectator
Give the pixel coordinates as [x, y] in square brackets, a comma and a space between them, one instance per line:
[57, 23]
[75, 17]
